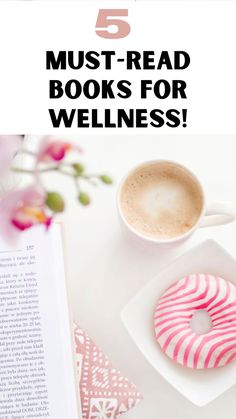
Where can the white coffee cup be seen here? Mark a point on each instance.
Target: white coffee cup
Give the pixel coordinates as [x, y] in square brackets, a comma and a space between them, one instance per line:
[210, 215]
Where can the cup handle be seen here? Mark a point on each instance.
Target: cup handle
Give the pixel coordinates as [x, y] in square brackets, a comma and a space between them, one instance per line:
[219, 213]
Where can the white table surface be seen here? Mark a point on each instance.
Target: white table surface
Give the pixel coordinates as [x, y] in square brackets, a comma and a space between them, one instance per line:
[105, 270]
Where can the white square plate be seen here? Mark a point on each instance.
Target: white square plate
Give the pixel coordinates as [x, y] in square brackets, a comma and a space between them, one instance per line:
[199, 386]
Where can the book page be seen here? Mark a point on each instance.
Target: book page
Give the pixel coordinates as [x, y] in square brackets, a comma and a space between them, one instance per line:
[36, 358]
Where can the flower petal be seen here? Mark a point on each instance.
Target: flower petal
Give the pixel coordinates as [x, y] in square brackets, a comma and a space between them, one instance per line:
[21, 209]
[9, 145]
[54, 149]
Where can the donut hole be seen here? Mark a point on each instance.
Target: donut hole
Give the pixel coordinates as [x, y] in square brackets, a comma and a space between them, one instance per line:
[201, 322]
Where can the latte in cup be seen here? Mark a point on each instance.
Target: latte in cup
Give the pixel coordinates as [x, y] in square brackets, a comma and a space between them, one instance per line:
[161, 200]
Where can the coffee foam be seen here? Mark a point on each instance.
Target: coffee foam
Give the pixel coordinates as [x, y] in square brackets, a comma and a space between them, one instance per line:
[161, 200]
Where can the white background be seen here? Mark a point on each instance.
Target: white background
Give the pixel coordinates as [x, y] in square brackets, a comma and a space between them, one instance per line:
[105, 270]
[205, 29]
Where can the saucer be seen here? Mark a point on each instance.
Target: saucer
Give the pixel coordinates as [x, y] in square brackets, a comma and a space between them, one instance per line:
[199, 386]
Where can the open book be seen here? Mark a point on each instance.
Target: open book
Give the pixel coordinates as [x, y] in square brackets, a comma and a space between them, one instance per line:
[37, 378]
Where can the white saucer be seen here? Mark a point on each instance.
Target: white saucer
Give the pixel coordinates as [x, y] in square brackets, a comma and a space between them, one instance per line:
[199, 386]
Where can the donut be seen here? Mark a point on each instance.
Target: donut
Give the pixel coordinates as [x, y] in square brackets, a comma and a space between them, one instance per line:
[175, 310]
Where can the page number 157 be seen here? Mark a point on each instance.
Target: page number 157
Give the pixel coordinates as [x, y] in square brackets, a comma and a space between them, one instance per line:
[108, 19]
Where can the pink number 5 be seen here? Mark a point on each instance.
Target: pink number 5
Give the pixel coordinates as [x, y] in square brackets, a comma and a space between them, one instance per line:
[105, 20]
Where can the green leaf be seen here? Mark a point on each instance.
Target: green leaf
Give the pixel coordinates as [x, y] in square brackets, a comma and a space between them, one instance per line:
[106, 179]
[84, 198]
[78, 168]
[55, 202]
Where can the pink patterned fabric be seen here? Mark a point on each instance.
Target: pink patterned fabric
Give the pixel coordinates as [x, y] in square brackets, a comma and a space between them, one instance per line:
[105, 393]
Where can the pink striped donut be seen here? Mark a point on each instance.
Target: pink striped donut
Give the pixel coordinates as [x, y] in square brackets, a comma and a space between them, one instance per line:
[174, 312]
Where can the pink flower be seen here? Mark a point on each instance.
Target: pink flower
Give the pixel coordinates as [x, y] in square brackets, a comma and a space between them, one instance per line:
[9, 145]
[22, 209]
[54, 150]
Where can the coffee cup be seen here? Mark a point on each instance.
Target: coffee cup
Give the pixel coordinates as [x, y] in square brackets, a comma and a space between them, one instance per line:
[163, 202]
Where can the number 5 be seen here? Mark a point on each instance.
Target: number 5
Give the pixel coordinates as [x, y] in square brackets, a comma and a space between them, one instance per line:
[105, 20]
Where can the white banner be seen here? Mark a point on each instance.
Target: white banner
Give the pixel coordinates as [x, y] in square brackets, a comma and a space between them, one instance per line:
[144, 85]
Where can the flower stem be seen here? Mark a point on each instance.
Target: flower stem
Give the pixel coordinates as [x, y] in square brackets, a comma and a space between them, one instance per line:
[32, 172]
[63, 172]
[58, 169]
[89, 179]
[28, 152]
[77, 186]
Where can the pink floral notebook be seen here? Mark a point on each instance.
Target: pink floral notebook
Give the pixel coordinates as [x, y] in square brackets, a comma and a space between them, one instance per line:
[105, 392]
